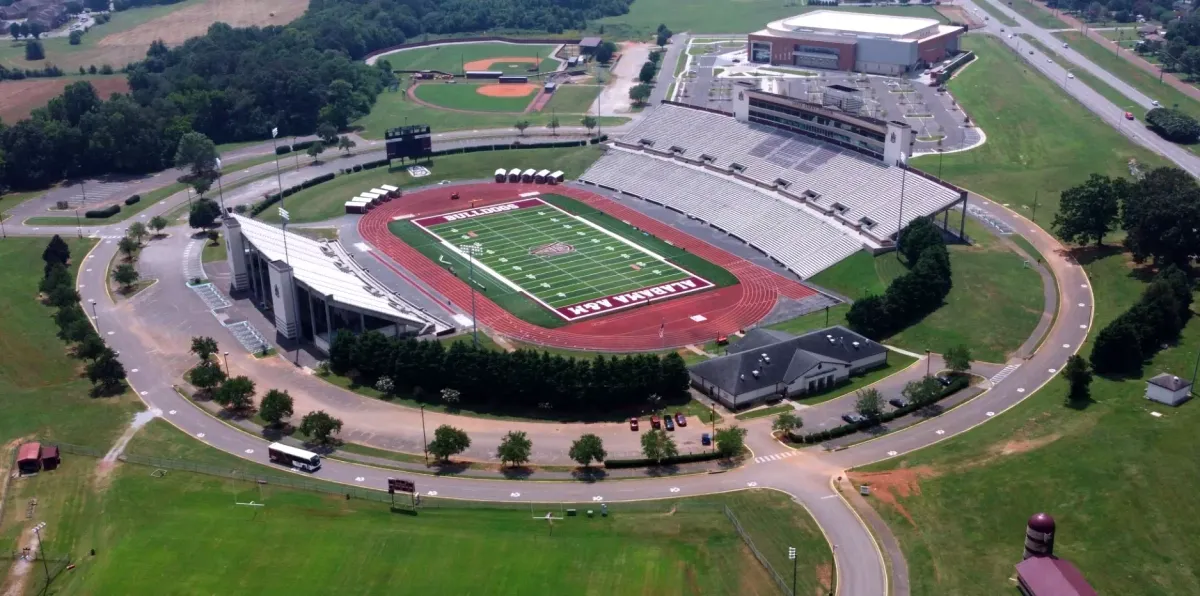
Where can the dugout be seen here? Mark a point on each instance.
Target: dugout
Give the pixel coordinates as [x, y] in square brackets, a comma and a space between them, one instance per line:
[501, 175]
[484, 74]
[514, 175]
[555, 177]
[356, 207]
[391, 190]
[589, 45]
[550, 87]
[540, 177]
[383, 195]
[29, 458]
[512, 80]
[528, 175]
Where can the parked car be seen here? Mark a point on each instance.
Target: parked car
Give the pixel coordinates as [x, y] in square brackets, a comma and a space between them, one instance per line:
[655, 422]
[1129, 115]
[633, 424]
[898, 402]
[670, 424]
[853, 417]
[706, 439]
[680, 419]
[944, 380]
[1154, 102]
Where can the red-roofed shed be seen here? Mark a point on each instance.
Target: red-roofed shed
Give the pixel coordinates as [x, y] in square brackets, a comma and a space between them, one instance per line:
[29, 458]
[50, 457]
[1051, 576]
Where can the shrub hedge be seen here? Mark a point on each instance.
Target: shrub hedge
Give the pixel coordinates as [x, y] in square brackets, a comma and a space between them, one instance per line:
[133, 199]
[283, 150]
[686, 458]
[109, 211]
[957, 382]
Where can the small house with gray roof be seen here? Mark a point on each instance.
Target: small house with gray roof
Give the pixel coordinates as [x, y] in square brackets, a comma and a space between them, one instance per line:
[768, 364]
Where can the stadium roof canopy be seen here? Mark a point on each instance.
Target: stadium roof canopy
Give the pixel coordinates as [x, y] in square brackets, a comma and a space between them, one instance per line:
[860, 23]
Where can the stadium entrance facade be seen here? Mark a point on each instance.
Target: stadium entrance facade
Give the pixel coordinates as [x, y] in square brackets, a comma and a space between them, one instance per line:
[870, 43]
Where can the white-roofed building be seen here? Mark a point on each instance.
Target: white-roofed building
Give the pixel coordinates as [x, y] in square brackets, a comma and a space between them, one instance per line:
[314, 289]
[863, 42]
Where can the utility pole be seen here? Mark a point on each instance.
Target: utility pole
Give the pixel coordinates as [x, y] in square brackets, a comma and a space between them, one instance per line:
[424, 437]
[472, 251]
[37, 530]
[1035, 200]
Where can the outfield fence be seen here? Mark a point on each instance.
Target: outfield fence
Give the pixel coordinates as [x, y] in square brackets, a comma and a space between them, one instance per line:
[779, 581]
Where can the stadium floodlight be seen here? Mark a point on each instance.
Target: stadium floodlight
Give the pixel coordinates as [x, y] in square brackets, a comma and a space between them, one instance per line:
[792, 556]
[37, 530]
[473, 251]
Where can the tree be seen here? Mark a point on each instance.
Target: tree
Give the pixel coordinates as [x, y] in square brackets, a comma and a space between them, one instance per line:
[158, 223]
[1079, 375]
[787, 422]
[1090, 210]
[1173, 125]
[204, 214]
[197, 153]
[605, 52]
[315, 149]
[958, 358]
[646, 74]
[204, 347]
[328, 133]
[345, 143]
[35, 30]
[126, 275]
[730, 441]
[14, 29]
[514, 449]
[869, 317]
[206, 377]
[639, 93]
[869, 403]
[1190, 61]
[106, 373]
[589, 122]
[451, 396]
[341, 352]
[56, 251]
[663, 37]
[137, 231]
[1163, 223]
[1118, 349]
[320, 426]
[553, 125]
[235, 393]
[521, 125]
[90, 347]
[586, 449]
[56, 277]
[202, 184]
[918, 235]
[448, 441]
[75, 38]
[128, 246]
[658, 446]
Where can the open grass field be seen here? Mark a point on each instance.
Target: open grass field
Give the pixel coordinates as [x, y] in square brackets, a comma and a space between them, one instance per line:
[574, 99]
[41, 391]
[550, 288]
[328, 200]
[1083, 76]
[1139, 79]
[183, 530]
[1118, 481]
[477, 97]
[718, 16]
[19, 98]
[476, 56]
[995, 13]
[1035, 13]
[1040, 140]
[995, 304]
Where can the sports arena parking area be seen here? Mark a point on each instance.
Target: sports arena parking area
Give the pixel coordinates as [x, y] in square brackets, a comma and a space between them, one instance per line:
[573, 267]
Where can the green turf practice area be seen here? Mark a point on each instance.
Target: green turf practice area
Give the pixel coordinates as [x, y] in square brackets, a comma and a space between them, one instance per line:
[560, 261]
[574, 99]
[473, 96]
[451, 58]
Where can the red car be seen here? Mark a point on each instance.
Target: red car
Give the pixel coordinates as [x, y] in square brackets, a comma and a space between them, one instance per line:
[633, 426]
[655, 422]
[1129, 115]
[680, 420]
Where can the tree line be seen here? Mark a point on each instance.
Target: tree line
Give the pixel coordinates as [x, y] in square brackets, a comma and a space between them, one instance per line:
[1121, 11]
[913, 295]
[518, 381]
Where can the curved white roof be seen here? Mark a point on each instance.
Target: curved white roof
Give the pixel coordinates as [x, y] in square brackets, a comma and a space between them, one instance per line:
[833, 22]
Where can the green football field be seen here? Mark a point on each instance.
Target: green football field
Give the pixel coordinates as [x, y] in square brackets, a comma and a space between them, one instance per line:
[568, 264]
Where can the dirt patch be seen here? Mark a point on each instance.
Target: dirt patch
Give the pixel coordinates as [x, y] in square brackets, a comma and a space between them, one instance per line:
[19, 98]
[957, 14]
[824, 577]
[178, 26]
[486, 64]
[889, 487]
[518, 90]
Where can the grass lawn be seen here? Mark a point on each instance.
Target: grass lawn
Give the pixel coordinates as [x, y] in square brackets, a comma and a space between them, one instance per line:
[61, 53]
[713, 16]
[1039, 16]
[41, 389]
[317, 233]
[1039, 139]
[574, 99]
[763, 412]
[127, 211]
[1139, 79]
[1003, 18]
[450, 58]
[392, 109]
[995, 303]
[1117, 480]
[326, 201]
[1084, 76]
[214, 251]
[896, 362]
[813, 321]
[677, 546]
[466, 96]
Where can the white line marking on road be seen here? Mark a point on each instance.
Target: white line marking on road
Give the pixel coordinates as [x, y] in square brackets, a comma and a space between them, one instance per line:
[514, 495]
[249, 451]
[1020, 390]
[145, 393]
[940, 431]
[1083, 326]
[199, 435]
[752, 484]
[892, 454]
[1081, 305]
[1083, 285]
[432, 493]
[359, 479]
[1051, 370]
[597, 498]
[674, 489]
[133, 370]
[81, 286]
[172, 412]
[990, 414]
[111, 332]
[89, 270]
[1066, 345]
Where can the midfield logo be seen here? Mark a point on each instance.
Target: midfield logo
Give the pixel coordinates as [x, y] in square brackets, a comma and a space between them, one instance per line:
[554, 249]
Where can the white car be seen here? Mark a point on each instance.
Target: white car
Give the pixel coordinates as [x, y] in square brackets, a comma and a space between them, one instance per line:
[1154, 102]
[1070, 76]
[1066, 45]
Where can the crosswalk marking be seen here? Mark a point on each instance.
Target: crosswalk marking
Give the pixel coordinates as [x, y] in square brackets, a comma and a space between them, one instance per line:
[762, 459]
[1003, 374]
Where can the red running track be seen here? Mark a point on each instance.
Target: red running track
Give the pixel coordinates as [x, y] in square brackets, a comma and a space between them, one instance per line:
[725, 309]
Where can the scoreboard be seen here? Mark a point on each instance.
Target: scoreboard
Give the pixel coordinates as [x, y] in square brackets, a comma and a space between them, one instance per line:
[409, 142]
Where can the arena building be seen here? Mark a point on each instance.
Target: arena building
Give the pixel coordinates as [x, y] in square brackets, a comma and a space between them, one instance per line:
[870, 43]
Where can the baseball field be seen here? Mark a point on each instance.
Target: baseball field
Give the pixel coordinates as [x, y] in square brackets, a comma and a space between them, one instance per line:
[509, 58]
[488, 96]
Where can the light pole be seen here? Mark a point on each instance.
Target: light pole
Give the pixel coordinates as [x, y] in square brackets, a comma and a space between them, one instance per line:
[900, 218]
[221, 191]
[792, 557]
[78, 226]
[473, 251]
[225, 356]
[928, 363]
[424, 437]
[3, 234]
[278, 177]
[37, 530]
[95, 317]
